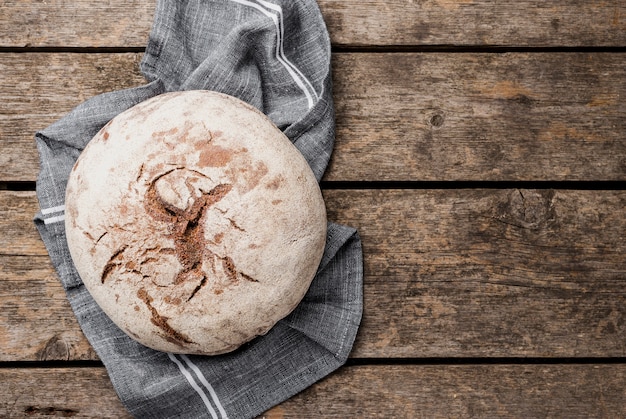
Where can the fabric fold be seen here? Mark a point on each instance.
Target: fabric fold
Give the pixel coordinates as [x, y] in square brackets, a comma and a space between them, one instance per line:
[276, 56]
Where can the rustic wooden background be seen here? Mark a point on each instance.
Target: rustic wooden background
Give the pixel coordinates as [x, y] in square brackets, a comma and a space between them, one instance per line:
[481, 153]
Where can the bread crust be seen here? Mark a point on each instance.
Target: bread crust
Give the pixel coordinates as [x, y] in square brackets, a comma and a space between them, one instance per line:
[194, 223]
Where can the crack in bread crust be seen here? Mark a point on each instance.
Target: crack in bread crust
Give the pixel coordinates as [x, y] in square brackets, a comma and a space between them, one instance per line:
[186, 228]
[172, 335]
[115, 261]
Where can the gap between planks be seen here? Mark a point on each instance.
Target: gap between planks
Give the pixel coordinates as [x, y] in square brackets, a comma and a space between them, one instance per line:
[413, 185]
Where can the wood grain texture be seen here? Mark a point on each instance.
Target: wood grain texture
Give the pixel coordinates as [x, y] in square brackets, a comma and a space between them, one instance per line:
[82, 23]
[407, 391]
[44, 329]
[59, 392]
[483, 391]
[18, 235]
[475, 22]
[489, 272]
[448, 273]
[409, 116]
[480, 117]
[38, 89]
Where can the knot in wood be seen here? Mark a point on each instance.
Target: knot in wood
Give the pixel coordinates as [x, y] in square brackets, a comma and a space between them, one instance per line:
[436, 121]
[56, 349]
[529, 209]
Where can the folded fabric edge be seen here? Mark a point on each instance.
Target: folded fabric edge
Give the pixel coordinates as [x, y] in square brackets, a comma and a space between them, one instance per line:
[345, 255]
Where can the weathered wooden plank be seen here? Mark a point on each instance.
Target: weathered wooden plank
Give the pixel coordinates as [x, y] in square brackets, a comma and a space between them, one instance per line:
[64, 392]
[350, 22]
[18, 235]
[38, 89]
[82, 23]
[407, 391]
[448, 273]
[37, 321]
[399, 116]
[516, 391]
[480, 117]
[489, 272]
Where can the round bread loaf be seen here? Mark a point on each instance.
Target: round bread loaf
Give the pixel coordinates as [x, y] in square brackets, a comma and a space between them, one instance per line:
[194, 222]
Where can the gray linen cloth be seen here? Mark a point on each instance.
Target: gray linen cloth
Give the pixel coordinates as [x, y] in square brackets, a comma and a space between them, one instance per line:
[276, 56]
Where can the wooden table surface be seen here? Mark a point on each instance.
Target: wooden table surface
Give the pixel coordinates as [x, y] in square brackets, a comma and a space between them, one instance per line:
[481, 154]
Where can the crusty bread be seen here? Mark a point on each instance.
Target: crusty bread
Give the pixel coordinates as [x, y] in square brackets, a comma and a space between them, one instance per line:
[194, 223]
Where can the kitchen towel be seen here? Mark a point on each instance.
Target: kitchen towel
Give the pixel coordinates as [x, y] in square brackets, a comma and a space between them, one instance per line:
[274, 55]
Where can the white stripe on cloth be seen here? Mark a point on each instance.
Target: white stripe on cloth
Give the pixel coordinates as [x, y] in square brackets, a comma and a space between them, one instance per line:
[279, 10]
[56, 219]
[52, 210]
[194, 385]
[295, 74]
[206, 384]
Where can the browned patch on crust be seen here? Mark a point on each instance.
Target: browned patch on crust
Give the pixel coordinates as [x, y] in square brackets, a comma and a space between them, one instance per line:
[218, 238]
[277, 201]
[247, 174]
[105, 135]
[72, 211]
[201, 145]
[254, 177]
[275, 183]
[165, 134]
[215, 156]
[169, 300]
